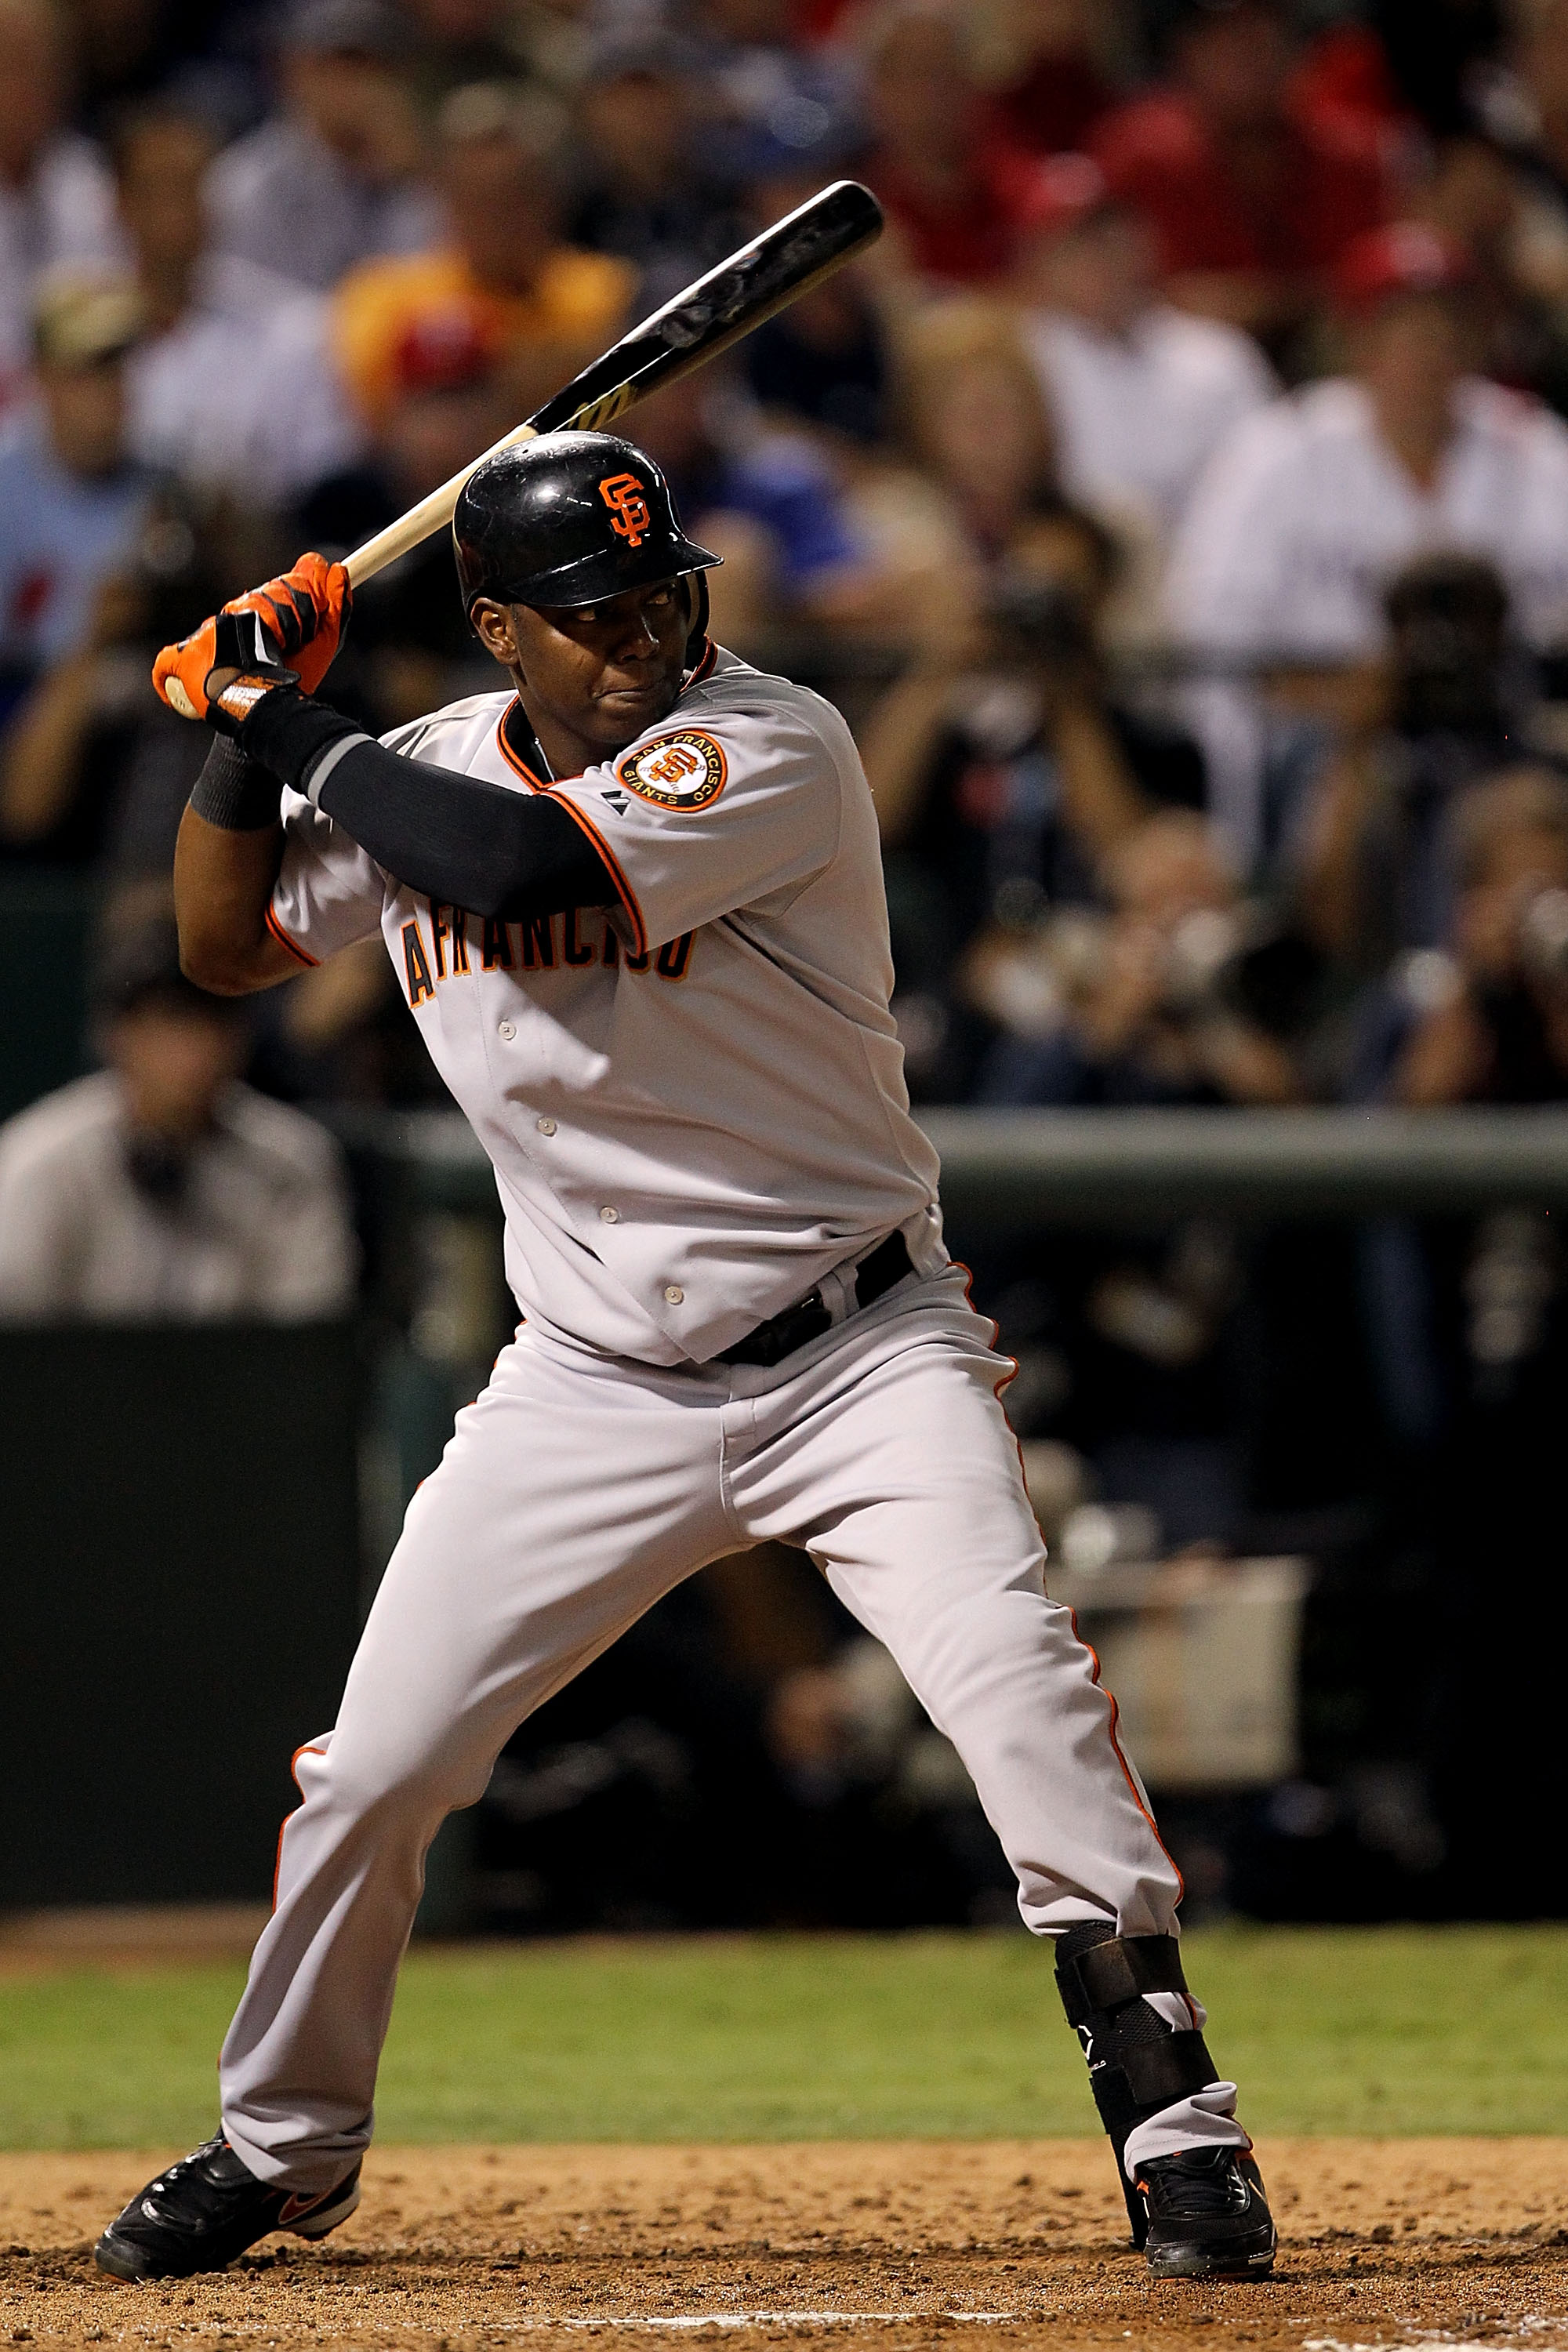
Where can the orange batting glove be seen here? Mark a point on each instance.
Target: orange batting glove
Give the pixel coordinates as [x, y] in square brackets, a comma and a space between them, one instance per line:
[296, 621]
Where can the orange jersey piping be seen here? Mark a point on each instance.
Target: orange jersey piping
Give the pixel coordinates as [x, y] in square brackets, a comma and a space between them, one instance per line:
[627, 896]
[1109, 1695]
[519, 767]
[308, 1748]
[283, 940]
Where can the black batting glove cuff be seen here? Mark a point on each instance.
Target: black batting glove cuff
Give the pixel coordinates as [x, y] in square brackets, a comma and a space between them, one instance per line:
[228, 709]
[288, 733]
[233, 793]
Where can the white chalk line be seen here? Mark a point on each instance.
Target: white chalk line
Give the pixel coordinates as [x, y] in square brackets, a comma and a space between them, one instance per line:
[688, 2322]
[1527, 2329]
[733, 2320]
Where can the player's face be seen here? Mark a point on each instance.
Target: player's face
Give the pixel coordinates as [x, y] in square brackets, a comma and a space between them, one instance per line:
[602, 671]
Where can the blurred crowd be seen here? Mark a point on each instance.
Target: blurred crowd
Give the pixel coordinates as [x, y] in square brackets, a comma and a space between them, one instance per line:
[1175, 500]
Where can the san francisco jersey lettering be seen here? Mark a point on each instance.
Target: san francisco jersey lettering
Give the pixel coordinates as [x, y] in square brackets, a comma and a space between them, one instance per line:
[694, 1098]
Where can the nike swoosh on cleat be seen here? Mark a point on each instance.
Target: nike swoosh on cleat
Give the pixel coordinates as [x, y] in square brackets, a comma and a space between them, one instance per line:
[297, 2207]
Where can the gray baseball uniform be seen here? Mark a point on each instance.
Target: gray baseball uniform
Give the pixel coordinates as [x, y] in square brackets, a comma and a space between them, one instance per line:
[696, 1111]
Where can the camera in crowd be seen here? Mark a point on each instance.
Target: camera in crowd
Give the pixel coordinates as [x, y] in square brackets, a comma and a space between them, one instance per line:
[1039, 623]
[1451, 653]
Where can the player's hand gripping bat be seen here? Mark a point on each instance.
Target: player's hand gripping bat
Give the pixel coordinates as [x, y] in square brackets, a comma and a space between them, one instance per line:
[796, 254]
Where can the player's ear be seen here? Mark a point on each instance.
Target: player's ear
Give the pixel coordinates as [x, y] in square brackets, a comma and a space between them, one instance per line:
[492, 625]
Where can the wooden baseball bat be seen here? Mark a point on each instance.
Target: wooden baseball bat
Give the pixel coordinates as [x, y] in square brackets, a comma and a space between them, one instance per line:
[797, 253]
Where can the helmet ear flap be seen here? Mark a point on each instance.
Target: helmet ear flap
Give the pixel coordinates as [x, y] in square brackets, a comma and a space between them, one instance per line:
[696, 635]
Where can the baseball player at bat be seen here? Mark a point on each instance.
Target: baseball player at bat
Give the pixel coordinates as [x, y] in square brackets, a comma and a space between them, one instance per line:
[633, 899]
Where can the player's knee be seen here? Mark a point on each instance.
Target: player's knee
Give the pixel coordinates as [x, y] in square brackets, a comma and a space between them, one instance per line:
[380, 1772]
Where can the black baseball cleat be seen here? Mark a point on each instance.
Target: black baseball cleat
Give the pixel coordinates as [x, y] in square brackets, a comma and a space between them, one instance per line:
[204, 2211]
[1208, 2217]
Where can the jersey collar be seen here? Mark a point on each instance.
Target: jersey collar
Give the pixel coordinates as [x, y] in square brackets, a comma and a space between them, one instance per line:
[521, 747]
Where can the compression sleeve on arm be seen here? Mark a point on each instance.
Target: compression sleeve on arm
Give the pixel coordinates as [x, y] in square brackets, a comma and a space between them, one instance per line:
[233, 792]
[454, 838]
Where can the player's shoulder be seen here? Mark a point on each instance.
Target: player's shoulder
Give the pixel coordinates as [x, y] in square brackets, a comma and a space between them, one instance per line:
[730, 696]
[56, 1132]
[452, 736]
[731, 723]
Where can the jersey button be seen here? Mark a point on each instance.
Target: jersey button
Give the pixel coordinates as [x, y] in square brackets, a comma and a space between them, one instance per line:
[674, 1293]
[507, 1029]
[545, 1126]
[610, 1216]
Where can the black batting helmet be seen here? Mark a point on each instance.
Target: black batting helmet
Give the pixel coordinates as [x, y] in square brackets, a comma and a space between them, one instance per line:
[568, 518]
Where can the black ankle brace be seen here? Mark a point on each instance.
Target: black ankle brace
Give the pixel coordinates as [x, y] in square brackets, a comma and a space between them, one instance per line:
[1136, 2064]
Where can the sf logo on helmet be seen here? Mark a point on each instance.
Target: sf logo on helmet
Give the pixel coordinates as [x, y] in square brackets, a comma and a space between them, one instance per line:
[629, 517]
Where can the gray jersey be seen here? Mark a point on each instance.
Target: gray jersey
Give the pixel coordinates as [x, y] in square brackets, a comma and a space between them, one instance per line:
[694, 1100]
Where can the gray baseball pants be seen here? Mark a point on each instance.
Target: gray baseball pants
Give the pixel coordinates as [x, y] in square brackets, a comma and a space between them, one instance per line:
[574, 1492]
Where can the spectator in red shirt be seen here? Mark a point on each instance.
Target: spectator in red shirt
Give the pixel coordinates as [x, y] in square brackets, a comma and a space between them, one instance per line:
[1254, 198]
[949, 178]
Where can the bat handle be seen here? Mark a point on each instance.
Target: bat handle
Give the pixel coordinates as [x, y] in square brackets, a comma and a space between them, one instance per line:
[432, 514]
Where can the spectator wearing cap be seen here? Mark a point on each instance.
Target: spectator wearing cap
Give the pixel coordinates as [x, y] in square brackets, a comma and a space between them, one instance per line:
[160, 1188]
[72, 500]
[234, 386]
[950, 179]
[1252, 196]
[1310, 507]
[649, 193]
[1141, 394]
[57, 208]
[335, 176]
[542, 307]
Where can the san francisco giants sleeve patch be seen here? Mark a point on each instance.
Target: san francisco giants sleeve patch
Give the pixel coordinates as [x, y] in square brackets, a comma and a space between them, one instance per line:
[678, 771]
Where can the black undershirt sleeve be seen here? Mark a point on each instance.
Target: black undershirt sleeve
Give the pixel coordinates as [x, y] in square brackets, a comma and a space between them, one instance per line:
[452, 837]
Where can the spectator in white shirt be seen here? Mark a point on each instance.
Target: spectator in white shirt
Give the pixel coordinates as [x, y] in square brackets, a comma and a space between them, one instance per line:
[334, 178]
[235, 386]
[1141, 394]
[56, 203]
[160, 1188]
[1311, 506]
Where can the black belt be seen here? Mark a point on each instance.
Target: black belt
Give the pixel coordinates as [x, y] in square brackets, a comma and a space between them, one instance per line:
[781, 1335]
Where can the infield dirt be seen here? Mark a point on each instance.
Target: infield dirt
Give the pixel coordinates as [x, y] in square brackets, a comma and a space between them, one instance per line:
[905, 2245]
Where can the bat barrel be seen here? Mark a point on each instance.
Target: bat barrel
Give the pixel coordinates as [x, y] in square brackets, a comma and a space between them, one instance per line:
[762, 279]
[797, 253]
